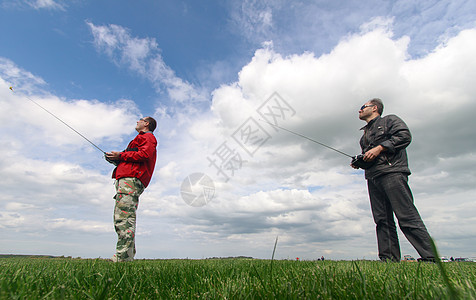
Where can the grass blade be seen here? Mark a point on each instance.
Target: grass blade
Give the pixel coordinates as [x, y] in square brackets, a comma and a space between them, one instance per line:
[446, 279]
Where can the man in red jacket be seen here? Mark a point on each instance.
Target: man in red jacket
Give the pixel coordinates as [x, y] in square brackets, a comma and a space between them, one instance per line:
[135, 166]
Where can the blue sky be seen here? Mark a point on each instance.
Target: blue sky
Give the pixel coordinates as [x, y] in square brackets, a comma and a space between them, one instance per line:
[206, 70]
[194, 36]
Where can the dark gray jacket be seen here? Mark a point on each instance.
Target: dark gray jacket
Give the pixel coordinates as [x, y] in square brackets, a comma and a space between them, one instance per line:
[393, 134]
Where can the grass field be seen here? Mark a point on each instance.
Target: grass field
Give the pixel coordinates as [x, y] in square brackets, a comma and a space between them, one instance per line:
[63, 278]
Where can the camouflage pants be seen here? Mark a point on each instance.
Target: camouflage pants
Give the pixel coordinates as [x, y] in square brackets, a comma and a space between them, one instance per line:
[127, 195]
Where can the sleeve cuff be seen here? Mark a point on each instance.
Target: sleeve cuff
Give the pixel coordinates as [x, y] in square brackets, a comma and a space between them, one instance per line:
[388, 146]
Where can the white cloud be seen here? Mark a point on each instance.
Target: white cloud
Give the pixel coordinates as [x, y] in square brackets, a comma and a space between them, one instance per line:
[54, 182]
[80, 225]
[318, 25]
[143, 56]
[16, 76]
[326, 92]
[46, 4]
[41, 115]
[254, 19]
[44, 198]
[291, 188]
[16, 206]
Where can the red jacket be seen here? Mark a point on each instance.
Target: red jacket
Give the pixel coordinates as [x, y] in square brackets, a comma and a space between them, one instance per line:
[138, 160]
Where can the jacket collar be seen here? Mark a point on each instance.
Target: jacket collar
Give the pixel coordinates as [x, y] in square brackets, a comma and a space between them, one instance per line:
[371, 122]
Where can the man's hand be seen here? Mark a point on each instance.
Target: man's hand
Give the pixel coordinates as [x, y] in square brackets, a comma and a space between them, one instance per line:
[373, 153]
[113, 155]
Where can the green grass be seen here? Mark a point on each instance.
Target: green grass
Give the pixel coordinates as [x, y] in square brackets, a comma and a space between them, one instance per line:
[60, 278]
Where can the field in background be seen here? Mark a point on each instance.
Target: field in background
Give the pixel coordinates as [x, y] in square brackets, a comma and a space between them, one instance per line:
[60, 278]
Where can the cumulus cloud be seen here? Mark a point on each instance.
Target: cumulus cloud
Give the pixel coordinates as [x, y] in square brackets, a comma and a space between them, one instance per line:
[289, 187]
[57, 195]
[142, 55]
[321, 198]
[318, 25]
[40, 116]
[81, 225]
[55, 182]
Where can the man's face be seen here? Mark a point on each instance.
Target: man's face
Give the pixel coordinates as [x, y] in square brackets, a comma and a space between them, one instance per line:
[141, 125]
[366, 110]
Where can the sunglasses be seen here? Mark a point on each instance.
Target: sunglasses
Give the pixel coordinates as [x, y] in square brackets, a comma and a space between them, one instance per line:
[365, 106]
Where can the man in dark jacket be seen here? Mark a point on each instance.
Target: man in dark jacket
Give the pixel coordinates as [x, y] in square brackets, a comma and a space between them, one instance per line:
[135, 167]
[384, 144]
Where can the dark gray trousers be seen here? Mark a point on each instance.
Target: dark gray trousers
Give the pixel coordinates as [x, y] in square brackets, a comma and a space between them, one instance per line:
[391, 194]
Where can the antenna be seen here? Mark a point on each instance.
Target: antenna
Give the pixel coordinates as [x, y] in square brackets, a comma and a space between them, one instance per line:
[308, 138]
[11, 88]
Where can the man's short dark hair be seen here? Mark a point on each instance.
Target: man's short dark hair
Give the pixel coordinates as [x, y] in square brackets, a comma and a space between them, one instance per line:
[152, 123]
[377, 102]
